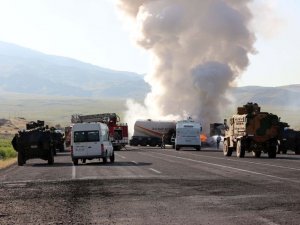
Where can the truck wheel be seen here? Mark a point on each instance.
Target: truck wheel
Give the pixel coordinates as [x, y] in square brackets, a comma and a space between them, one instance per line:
[112, 158]
[198, 148]
[134, 142]
[284, 151]
[75, 162]
[153, 143]
[240, 149]
[20, 159]
[177, 147]
[51, 157]
[227, 150]
[256, 154]
[143, 143]
[272, 152]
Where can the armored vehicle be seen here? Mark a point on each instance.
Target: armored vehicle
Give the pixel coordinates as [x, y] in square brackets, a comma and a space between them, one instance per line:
[290, 140]
[253, 131]
[34, 142]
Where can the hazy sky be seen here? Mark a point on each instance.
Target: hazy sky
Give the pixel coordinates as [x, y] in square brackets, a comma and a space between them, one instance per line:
[93, 31]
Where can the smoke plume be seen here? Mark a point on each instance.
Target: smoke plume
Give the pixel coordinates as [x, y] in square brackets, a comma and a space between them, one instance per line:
[199, 48]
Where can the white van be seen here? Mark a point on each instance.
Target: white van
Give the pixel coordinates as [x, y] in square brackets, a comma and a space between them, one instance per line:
[188, 134]
[90, 141]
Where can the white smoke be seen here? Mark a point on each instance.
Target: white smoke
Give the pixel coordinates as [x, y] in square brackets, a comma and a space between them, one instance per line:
[200, 47]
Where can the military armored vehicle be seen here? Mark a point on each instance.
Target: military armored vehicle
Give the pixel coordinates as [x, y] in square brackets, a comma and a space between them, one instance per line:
[253, 131]
[290, 140]
[34, 142]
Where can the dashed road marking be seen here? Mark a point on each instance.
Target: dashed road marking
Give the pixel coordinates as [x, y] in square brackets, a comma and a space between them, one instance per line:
[73, 172]
[154, 170]
[263, 164]
[229, 167]
[134, 162]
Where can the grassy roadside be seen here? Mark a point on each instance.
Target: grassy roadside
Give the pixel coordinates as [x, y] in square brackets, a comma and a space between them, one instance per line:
[7, 153]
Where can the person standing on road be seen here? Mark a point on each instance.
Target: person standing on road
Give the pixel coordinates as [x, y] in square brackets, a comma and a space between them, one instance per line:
[163, 139]
[218, 141]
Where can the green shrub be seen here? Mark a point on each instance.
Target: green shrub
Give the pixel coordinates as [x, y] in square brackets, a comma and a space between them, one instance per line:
[6, 149]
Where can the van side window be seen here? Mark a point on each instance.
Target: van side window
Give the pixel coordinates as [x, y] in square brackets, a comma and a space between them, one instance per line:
[86, 136]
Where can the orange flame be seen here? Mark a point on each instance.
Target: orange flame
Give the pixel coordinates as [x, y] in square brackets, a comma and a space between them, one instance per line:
[203, 137]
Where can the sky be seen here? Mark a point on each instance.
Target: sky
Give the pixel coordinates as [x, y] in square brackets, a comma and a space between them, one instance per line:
[93, 31]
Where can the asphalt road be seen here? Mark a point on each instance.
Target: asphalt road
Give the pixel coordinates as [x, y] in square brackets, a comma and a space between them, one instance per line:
[154, 186]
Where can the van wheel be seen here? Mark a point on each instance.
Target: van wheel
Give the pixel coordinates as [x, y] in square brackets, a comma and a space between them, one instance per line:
[105, 160]
[177, 147]
[75, 162]
[112, 158]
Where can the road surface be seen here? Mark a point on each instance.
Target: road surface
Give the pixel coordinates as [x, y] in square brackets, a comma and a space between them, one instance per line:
[154, 186]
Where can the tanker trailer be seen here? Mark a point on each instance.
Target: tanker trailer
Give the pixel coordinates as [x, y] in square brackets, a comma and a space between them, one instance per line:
[150, 132]
[253, 131]
[34, 142]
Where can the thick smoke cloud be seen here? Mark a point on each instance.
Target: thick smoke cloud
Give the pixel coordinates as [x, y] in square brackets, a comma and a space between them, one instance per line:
[199, 49]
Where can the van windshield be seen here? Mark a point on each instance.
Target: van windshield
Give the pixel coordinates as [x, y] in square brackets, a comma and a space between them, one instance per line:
[86, 136]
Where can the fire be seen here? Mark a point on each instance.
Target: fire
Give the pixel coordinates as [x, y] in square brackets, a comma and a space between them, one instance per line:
[203, 137]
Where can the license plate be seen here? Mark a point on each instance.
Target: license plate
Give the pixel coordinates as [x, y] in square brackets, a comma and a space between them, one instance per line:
[33, 146]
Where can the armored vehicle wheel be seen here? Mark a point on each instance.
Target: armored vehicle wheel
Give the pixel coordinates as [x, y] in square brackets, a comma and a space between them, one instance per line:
[75, 162]
[51, 157]
[240, 149]
[83, 160]
[177, 147]
[272, 152]
[21, 160]
[112, 158]
[256, 154]
[227, 150]
[61, 148]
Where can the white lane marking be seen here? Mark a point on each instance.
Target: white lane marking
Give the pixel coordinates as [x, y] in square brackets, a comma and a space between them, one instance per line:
[233, 168]
[263, 164]
[154, 170]
[123, 157]
[134, 162]
[73, 172]
[169, 160]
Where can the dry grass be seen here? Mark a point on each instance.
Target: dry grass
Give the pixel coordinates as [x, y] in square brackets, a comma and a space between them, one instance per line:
[7, 162]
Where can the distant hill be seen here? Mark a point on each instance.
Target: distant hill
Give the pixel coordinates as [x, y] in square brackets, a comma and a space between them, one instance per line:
[23, 70]
[287, 96]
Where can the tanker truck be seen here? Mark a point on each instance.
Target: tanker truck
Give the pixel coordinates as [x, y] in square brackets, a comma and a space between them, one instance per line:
[150, 132]
[251, 130]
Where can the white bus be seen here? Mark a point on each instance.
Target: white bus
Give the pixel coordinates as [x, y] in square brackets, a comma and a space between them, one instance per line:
[188, 134]
[90, 141]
